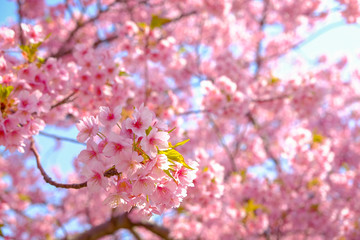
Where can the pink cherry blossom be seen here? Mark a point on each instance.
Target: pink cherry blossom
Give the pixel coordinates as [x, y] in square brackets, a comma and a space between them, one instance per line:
[88, 128]
[116, 145]
[7, 37]
[274, 150]
[128, 163]
[109, 118]
[93, 172]
[145, 185]
[155, 139]
[142, 119]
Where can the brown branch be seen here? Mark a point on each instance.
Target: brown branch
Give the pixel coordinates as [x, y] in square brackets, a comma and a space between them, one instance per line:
[60, 138]
[62, 227]
[266, 143]
[111, 38]
[108, 39]
[79, 25]
[121, 222]
[184, 15]
[109, 173]
[22, 40]
[135, 234]
[63, 101]
[190, 112]
[158, 230]
[262, 24]
[69, 9]
[264, 100]
[106, 228]
[223, 144]
[44, 174]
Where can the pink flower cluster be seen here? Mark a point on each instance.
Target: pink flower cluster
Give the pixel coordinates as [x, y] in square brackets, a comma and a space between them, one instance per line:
[133, 161]
[20, 115]
[223, 97]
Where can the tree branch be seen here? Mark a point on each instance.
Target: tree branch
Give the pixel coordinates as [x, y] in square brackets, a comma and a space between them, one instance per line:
[62, 50]
[158, 230]
[44, 174]
[262, 24]
[190, 112]
[223, 144]
[109, 173]
[135, 234]
[265, 140]
[106, 228]
[22, 40]
[60, 138]
[65, 100]
[121, 222]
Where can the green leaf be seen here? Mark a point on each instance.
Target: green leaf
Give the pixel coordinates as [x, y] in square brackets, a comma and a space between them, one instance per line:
[123, 74]
[179, 144]
[181, 50]
[250, 207]
[314, 208]
[40, 62]
[172, 130]
[243, 173]
[148, 131]
[47, 36]
[169, 174]
[312, 183]
[174, 155]
[345, 166]
[181, 209]
[158, 22]
[274, 80]
[142, 25]
[5, 92]
[318, 138]
[24, 197]
[48, 237]
[30, 51]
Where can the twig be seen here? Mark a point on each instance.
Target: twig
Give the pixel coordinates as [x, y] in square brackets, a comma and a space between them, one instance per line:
[62, 227]
[22, 40]
[79, 26]
[258, 57]
[60, 138]
[223, 144]
[265, 140]
[191, 112]
[69, 9]
[184, 15]
[108, 39]
[44, 174]
[65, 100]
[263, 100]
[109, 173]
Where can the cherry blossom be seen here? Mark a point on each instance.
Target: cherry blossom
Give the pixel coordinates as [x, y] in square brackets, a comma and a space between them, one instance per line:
[195, 119]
